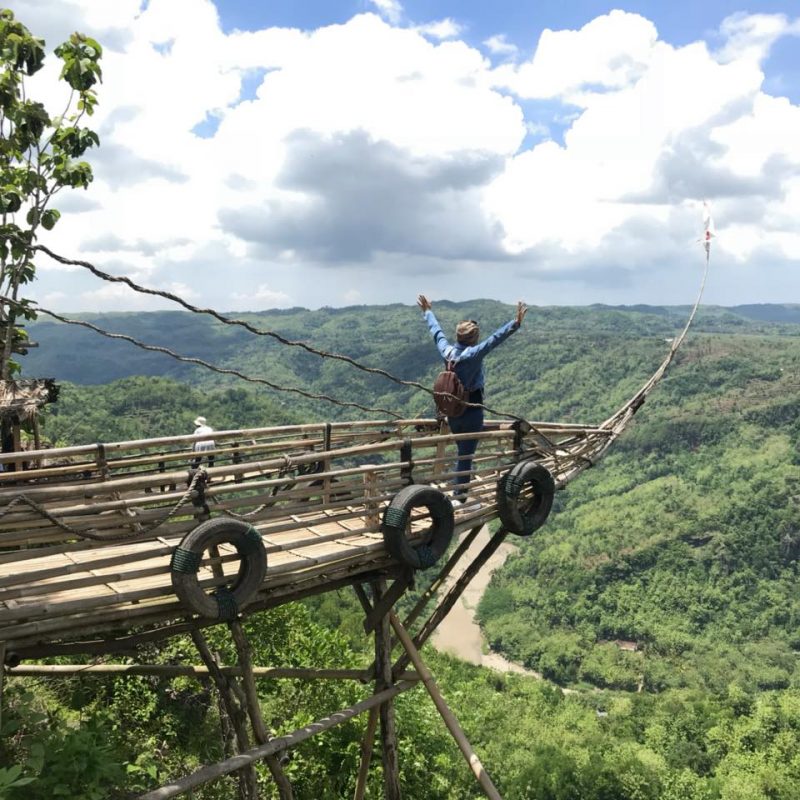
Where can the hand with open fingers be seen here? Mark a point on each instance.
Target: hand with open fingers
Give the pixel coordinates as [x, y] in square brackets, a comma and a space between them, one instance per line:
[522, 310]
[424, 303]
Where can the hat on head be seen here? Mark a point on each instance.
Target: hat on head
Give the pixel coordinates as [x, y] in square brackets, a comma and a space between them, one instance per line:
[467, 332]
[200, 421]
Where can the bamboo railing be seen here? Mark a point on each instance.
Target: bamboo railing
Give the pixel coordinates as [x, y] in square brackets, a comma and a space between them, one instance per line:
[86, 533]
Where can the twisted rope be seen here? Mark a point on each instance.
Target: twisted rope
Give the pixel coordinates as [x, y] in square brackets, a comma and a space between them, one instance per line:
[262, 332]
[200, 362]
[22, 499]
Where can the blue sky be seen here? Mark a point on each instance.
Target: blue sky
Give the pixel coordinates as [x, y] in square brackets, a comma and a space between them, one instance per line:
[332, 153]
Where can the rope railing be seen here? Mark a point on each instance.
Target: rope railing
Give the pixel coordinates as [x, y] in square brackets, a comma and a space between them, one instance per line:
[616, 423]
[200, 476]
[172, 297]
[202, 363]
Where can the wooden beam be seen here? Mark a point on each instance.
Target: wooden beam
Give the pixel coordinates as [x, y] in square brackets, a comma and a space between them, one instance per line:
[229, 765]
[449, 600]
[449, 718]
[2, 676]
[262, 735]
[367, 744]
[387, 600]
[199, 672]
[248, 780]
[386, 711]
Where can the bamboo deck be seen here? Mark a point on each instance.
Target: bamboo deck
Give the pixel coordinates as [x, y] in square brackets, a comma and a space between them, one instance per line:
[86, 533]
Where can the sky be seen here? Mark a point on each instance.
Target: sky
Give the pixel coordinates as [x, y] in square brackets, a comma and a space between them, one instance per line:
[259, 155]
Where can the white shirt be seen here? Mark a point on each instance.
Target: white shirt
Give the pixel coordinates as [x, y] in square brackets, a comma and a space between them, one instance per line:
[207, 444]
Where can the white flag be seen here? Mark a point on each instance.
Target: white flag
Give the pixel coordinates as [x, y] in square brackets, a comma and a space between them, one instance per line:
[709, 231]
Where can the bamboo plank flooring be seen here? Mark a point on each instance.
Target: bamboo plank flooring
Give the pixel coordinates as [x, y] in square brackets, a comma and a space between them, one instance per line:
[85, 547]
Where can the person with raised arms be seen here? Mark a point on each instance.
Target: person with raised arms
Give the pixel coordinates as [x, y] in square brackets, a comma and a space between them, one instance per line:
[465, 360]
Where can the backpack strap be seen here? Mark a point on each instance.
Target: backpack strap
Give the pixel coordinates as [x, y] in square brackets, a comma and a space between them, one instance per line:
[453, 357]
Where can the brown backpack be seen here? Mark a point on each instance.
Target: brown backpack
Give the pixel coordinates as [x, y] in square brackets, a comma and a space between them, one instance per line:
[449, 393]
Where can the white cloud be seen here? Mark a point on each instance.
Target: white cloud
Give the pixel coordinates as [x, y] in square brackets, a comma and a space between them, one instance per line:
[392, 10]
[611, 51]
[369, 146]
[750, 36]
[442, 29]
[537, 129]
[658, 124]
[50, 299]
[263, 297]
[498, 45]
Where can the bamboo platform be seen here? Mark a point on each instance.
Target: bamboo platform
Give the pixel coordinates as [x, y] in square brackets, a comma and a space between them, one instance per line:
[87, 533]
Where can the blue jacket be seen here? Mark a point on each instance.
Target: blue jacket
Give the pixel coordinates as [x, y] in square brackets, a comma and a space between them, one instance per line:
[468, 358]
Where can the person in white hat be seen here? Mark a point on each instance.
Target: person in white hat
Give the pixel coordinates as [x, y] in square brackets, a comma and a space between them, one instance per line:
[202, 428]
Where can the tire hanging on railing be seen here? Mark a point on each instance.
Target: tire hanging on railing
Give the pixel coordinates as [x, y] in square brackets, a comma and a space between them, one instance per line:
[525, 497]
[434, 541]
[225, 602]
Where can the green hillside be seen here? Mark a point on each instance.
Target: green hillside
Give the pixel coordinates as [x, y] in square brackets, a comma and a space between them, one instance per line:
[684, 541]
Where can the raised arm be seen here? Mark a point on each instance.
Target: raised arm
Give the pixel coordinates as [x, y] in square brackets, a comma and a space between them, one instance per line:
[499, 336]
[439, 338]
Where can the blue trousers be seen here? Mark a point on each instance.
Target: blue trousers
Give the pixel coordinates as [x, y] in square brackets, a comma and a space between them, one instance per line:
[471, 421]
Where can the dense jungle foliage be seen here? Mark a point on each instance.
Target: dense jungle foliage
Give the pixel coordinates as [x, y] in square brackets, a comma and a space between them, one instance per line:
[662, 593]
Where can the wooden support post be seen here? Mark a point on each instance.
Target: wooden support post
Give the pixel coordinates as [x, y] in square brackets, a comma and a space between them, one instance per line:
[326, 465]
[449, 718]
[438, 467]
[262, 735]
[101, 461]
[248, 785]
[17, 441]
[216, 567]
[367, 744]
[237, 459]
[449, 600]
[214, 771]
[388, 599]
[440, 578]
[429, 592]
[383, 663]
[372, 517]
[2, 676]
[37, 440]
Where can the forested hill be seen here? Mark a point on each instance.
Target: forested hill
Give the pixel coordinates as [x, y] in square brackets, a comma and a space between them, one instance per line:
[664, 587]
[565, 362]
[684, 541]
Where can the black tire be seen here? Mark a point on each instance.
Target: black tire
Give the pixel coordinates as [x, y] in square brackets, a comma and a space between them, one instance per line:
[519, 514]
[226, 601]
[395, 521]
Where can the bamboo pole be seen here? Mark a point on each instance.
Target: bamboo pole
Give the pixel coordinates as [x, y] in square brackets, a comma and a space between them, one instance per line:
[169, 671]
[439, 580]
[386, 711]
[367, 744]
[248, 780]
[449, 718]
[262, 735]
[2, 679]
[449, 600]
[209, 773]
[131, 482]
[362, 427]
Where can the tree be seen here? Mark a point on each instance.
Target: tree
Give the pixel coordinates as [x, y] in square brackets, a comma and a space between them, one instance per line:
[39, 156]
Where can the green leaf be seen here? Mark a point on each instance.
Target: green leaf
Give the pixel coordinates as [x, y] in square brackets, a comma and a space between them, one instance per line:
[49, 218]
